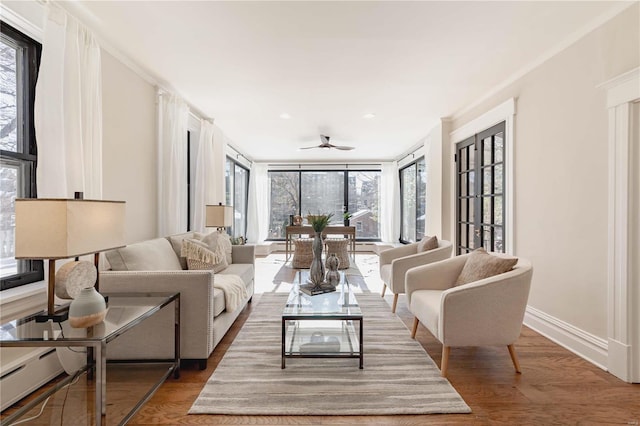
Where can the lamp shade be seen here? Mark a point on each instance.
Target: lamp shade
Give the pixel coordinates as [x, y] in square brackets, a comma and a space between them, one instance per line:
[60, 228]
[219, 216]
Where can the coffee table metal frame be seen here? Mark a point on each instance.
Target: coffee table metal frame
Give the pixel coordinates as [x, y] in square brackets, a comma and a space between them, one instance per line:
[323, 316]
[97, 345]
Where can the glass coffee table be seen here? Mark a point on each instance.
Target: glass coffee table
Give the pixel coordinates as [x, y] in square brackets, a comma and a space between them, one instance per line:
[322, 326]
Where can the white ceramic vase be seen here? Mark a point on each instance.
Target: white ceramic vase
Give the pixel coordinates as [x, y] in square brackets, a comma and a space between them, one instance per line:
[87, 309]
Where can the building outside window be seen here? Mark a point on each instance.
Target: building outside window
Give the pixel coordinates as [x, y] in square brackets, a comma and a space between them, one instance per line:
[413, 188]
[19, 63]
[326, 191]
[236, 195]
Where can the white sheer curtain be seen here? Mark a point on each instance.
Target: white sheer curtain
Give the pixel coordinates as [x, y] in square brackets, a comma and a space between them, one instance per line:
[390, 203]
[68, 110]
[204, 175]
[173, 115]
[219, 166]
[258, 204]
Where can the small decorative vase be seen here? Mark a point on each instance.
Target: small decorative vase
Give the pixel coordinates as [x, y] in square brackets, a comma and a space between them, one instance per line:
[332, 264]
[316, 271]
[87, 309]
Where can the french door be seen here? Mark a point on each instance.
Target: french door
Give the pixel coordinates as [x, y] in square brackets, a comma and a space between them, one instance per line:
[480, 204]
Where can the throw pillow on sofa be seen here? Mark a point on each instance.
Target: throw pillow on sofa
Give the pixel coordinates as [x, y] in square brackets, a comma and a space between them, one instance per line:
[215, 240]
[200, 257]
[481, 264]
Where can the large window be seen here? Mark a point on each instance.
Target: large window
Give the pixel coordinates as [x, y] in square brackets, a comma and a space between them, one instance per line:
[326, 191]
[413, 190]
[236, 194]
[19, 62]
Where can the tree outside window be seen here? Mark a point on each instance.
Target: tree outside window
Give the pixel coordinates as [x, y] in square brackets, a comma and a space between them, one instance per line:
[19, 62]
[326, 191]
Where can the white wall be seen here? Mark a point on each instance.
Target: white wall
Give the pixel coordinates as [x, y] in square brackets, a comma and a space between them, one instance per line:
[560, 171]
[432, 150]
[129, 146]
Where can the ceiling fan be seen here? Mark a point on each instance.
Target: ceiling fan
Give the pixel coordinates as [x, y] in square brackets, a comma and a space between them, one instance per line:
[325, 144]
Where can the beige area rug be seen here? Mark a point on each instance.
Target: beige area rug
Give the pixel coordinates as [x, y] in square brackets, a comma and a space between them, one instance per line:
[398, 377]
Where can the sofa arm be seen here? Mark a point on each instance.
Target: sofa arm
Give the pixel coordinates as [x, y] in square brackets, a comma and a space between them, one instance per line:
[196, 301]
[243, 253]
[440, 275]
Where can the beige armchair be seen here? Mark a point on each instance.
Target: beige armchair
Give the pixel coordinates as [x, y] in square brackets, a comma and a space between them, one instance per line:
[488, 312]
[395, 262]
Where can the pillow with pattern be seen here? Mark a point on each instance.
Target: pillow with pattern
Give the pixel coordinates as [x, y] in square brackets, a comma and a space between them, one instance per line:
[199, 256]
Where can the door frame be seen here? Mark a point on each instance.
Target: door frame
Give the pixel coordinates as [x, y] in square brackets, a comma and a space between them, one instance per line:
[623, 272]
[506, 112]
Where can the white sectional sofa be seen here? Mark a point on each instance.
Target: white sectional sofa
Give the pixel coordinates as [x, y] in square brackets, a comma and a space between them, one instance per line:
[156, 266]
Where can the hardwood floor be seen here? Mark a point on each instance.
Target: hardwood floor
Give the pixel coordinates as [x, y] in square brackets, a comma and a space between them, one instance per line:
[556, 387]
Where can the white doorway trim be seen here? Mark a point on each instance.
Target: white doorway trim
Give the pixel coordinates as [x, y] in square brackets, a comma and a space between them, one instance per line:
[504, 112]
[623, 280]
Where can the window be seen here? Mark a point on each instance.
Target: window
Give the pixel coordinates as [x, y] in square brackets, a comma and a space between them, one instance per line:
[285, 201]
[322, 192]
[236, 194]
[19, 62]
[480, 191]
[326, 191]
[413, 203]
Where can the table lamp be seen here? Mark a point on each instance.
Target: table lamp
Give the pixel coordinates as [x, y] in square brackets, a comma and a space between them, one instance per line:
[57, 228]
[219, 216]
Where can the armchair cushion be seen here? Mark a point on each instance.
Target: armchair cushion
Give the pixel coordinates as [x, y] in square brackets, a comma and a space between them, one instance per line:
[481, 264]
[427, 243]
[426, 305]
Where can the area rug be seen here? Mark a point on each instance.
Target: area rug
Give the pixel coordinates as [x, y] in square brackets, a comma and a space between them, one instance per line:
[398, 377]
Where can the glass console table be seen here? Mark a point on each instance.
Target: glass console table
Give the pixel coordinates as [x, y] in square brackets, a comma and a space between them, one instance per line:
[126, 310]
[322, 326]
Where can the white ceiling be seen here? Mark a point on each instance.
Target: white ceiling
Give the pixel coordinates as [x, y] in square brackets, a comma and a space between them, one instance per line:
[328, 63]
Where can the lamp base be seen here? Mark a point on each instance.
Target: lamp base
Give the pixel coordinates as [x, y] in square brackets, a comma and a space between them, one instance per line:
[55, 317]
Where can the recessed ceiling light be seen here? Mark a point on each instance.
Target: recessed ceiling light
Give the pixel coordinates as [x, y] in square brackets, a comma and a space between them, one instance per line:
[285, 116]
[369, 115]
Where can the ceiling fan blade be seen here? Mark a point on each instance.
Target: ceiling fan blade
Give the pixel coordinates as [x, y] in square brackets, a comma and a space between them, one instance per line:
[344, 148]
[311, 147]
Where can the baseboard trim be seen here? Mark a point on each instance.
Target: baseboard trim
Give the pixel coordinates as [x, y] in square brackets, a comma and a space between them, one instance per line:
[587, 346]
[619, 363]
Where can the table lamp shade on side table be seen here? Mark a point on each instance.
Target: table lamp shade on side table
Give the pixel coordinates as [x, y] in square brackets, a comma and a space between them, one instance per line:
[57, 228]
[218, 216]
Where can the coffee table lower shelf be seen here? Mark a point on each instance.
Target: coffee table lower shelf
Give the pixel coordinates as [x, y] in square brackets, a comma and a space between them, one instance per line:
[305, 336]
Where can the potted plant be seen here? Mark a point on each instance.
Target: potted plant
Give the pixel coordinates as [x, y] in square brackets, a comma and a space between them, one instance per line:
[319, 221]
[347, 218]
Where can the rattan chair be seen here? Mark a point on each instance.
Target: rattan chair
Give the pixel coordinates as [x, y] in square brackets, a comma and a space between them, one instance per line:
[339, 246]
[303, 253]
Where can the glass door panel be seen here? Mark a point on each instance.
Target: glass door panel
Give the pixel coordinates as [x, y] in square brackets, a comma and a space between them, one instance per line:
[480, 204]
